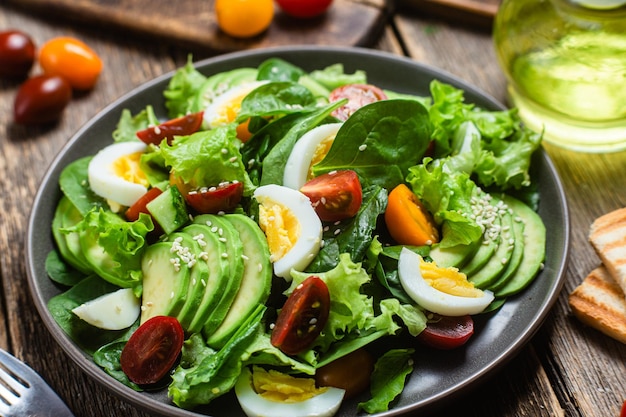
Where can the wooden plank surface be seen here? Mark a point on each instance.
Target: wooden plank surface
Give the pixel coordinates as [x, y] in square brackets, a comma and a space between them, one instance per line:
[193, 22]
[479, 13]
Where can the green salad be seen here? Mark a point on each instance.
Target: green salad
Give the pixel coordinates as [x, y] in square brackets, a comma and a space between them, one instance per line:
[292, 236]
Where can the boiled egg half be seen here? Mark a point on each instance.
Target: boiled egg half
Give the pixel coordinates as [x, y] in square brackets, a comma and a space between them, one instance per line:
[114, 311]
[444, 291]
[272, 394]
[310, 149]
[225, 107]
[114, 173]
[292, 228]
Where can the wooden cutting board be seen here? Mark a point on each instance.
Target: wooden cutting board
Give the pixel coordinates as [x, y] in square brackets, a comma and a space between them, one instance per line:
[193, 22]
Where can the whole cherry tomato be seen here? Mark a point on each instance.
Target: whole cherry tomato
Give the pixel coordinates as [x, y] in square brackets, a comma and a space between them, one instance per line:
[73, 60]
[304, 8]
[336, 195]
[181, 126]
[447, 332]
[351, 372]
[358, 95]
[303, 316]
[17, 53]
[41, 99]
[152, 350]
[244, 18]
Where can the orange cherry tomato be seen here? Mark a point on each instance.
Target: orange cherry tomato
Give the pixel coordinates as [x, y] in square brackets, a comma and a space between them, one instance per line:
[407, 220]
[244, 18]
[71, 59]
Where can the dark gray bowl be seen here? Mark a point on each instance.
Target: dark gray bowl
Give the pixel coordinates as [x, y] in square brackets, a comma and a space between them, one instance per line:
[498, 336]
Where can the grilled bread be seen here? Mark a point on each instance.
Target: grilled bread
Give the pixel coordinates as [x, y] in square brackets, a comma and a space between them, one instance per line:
[599, 302]
[608, 237]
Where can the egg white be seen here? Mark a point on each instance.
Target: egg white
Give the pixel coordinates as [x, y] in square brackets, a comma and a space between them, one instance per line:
[114, 311]
[309, 241]
[325, 404]
[299, 161]
[215, 113]
[104, 182]
[431, 298]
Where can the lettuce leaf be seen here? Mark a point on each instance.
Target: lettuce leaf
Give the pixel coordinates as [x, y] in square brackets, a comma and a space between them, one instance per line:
[181, 91]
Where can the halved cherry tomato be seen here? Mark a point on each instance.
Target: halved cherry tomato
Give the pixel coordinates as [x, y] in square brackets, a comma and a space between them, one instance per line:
[244, 18]
[71, 59]
[351, 372]
[336, 195]
[152, 350]
[132, 213]
[41, 99]
[407, 220]
[223, 197]
[181, 126]
[446, 333]
[303, 316]
[304, 8]
[17, 53]
[358, 95]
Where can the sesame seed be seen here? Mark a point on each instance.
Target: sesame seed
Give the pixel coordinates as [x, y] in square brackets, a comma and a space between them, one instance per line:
[362, 147]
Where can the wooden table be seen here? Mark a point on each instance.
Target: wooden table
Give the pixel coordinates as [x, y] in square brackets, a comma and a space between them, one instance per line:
[566, 370]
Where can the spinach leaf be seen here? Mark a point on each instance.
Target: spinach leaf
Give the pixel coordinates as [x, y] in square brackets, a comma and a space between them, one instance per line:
[75, 185]
[276, 69]
[380, 141]
[60, 272]
[277, 98]
[108, 358]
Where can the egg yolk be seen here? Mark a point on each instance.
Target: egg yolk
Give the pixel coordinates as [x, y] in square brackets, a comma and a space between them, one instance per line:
[127, 167]
[228, 111]
[279, 387]
[321, 150]
[448, 280]
[281, 227]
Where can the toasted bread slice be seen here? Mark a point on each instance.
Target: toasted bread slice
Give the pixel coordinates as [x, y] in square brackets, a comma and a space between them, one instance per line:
[608, 237]
[600, 303]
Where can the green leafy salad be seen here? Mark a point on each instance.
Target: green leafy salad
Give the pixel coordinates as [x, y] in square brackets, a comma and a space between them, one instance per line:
[290, 237]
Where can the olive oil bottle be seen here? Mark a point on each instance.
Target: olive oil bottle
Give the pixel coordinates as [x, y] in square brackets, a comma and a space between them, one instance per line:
[565, 62]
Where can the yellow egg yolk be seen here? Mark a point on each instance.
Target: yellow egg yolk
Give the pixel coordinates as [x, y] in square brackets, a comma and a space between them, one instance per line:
[279, 387]
[127, 167]
[281, 227]
[321, 150]
[448, 280]
[228, 111]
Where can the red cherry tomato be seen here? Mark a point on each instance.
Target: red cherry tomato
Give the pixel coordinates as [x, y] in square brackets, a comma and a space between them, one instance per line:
[351, 372]
[152, 350]
[447, 332]
[304, 8]
[303, 316]
[132, 213]
[41, 99]
[223, 197]
[623, 412]
[17, 53]
[181, 126]
[73, 60]
[358, 95]
[336, 195]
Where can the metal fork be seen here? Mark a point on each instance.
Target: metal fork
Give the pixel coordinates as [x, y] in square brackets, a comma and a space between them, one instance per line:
[24, 393]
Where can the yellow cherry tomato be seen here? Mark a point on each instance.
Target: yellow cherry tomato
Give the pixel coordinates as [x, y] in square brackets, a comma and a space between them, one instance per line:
[244, 18]
[71, 59]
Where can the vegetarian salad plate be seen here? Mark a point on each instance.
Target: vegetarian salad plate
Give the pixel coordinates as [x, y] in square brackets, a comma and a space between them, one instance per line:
[302, 231]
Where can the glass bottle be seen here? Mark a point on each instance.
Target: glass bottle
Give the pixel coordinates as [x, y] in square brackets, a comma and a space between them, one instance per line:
[565, 61]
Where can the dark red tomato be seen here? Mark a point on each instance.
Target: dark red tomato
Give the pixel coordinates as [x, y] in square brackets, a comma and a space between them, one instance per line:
[152, 350]
[623, 412]
[132, 213]
[351, 372]
[41, 99]
[444, 332]
[336, 195]
[304, 8]
[223, 197]
[17, 53]
[181, 126]
[358, 95]
[303, 316]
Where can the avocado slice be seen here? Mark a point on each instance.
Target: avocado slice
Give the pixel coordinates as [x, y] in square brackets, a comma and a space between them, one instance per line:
[534, 248]
[483, 254]
[233, 250]
[455, 256]
[256, 280]
[220, 82]
[165, 281]
[490, 272]
[516, 256]
[66, 216]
